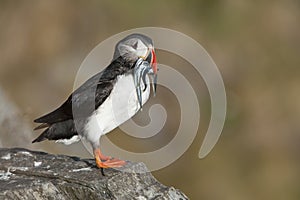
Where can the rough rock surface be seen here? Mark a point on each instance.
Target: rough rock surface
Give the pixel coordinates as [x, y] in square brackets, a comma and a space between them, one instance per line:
[26, 174]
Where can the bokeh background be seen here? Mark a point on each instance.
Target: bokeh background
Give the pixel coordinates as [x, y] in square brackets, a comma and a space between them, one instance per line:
[256, 45]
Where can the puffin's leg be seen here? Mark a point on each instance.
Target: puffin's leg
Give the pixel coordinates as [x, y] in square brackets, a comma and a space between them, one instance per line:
[106, 161]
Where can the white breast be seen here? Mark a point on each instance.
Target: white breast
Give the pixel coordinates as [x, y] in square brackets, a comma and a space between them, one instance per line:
[120, 106]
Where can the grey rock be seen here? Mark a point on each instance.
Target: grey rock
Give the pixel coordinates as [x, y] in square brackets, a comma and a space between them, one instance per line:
[26, 174]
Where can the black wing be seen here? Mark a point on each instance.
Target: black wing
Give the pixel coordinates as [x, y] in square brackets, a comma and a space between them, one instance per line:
[89, 96]
[80, 98]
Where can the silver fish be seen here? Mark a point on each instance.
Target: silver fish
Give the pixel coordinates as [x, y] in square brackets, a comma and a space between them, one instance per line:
[141, 69]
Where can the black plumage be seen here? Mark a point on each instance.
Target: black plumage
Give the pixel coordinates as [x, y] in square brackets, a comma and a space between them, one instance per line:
[82, 102]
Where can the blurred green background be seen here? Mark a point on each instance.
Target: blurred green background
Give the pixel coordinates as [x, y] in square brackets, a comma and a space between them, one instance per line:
[255, 44]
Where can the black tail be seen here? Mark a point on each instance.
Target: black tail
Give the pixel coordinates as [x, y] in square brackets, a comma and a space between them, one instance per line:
[42, 137]
[57, 131]
[45, 125]
[57, 115]
[62, 113]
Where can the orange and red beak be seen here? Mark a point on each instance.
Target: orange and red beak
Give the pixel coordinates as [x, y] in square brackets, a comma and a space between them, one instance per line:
[155, 69]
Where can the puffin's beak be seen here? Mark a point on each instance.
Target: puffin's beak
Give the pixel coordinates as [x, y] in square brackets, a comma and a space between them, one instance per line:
[154, 69]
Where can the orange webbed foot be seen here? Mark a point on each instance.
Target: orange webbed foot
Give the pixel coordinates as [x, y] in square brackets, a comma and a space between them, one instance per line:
[103, 161]
[112, 163]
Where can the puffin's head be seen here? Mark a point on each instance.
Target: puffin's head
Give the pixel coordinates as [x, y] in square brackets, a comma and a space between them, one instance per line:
[137, 46]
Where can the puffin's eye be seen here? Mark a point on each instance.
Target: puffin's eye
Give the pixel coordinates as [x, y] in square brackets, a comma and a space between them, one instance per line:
[149, 58]
[135, 45]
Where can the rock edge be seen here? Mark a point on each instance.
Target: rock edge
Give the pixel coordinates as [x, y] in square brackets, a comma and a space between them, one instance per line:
[26, 174]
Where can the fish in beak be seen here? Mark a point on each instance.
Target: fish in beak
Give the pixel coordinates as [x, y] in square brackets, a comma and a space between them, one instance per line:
[141, 69]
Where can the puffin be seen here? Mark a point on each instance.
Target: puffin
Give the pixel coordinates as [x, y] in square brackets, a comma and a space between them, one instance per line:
[106, 100]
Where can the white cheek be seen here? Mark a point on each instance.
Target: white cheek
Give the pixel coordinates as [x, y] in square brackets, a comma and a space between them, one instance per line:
[141, 52]
[142, 49]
